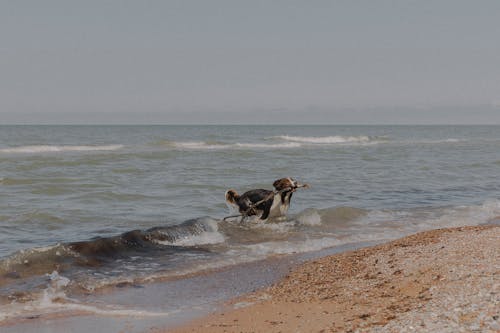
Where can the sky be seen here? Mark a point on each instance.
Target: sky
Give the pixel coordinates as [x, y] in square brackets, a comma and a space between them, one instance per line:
[273, 61]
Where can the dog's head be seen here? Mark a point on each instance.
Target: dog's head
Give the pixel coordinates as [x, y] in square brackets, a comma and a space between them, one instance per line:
[285, 183]
[231, 196]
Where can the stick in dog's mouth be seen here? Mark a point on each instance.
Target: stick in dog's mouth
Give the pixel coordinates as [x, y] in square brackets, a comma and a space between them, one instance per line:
[296, 187]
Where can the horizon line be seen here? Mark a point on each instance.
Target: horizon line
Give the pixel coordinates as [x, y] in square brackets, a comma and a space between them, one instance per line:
[251, 124]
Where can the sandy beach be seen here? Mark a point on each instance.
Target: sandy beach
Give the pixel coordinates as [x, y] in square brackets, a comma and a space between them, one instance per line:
[445, 280]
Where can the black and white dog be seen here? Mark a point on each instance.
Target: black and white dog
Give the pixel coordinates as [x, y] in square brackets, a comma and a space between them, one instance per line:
[265, 203]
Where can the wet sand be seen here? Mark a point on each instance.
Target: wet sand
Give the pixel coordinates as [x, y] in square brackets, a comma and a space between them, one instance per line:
[445, 280]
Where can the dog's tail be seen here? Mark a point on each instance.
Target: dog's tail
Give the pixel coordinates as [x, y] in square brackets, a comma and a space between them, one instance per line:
[232, 196]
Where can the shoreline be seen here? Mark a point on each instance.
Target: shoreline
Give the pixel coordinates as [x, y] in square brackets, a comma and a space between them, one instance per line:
[445, 280]
[134, 308]
[325, 290]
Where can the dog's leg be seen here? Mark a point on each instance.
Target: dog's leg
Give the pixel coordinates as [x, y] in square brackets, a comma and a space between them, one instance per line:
[266, 207]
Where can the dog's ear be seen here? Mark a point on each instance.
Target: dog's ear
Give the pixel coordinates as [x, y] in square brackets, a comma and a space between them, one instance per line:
[232, 196]
[281, 184]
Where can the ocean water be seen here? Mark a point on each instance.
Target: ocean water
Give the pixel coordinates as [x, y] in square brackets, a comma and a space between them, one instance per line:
[87, 207]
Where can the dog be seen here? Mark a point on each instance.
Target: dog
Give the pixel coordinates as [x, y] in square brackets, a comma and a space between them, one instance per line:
[265, 203]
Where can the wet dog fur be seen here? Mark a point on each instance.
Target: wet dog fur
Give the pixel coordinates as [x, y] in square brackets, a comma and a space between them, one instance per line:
[265, 203]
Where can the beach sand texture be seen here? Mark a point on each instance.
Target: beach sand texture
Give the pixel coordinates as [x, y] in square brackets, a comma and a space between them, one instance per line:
[445, 280]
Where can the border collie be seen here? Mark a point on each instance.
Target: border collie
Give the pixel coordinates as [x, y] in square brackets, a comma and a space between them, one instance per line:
[265, 203]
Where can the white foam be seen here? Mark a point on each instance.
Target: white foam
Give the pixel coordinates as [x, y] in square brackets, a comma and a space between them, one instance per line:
[53, 149]
[276, 224]
[268, 146]
[337, 139]
[437, 141]
[36, 308]
[199, 145]
[262, 250]
[54, 299]
[55, 290]
[309, 217]
[205, 238]
[196, 145]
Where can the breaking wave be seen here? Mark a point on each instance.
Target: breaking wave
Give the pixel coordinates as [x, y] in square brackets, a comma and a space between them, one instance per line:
[54, 149]
[438, 141]
[337, 139]
[277, 142]
[102, 250]
[194, 232]
[208, 145]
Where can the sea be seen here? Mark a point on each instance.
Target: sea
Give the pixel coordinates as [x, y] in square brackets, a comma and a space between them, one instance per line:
[85, 209]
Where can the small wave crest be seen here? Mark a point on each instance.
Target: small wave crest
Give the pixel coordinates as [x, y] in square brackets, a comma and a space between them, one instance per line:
[435, 141]
[276, 142]
[333, 216]
[34, 261]
[152, 242]
[54, 149]
[194, 232]
[100, 251]
[201, 145]
[337, 139]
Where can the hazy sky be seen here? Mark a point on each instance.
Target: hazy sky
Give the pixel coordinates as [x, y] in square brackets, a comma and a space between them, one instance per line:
[250, 61]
